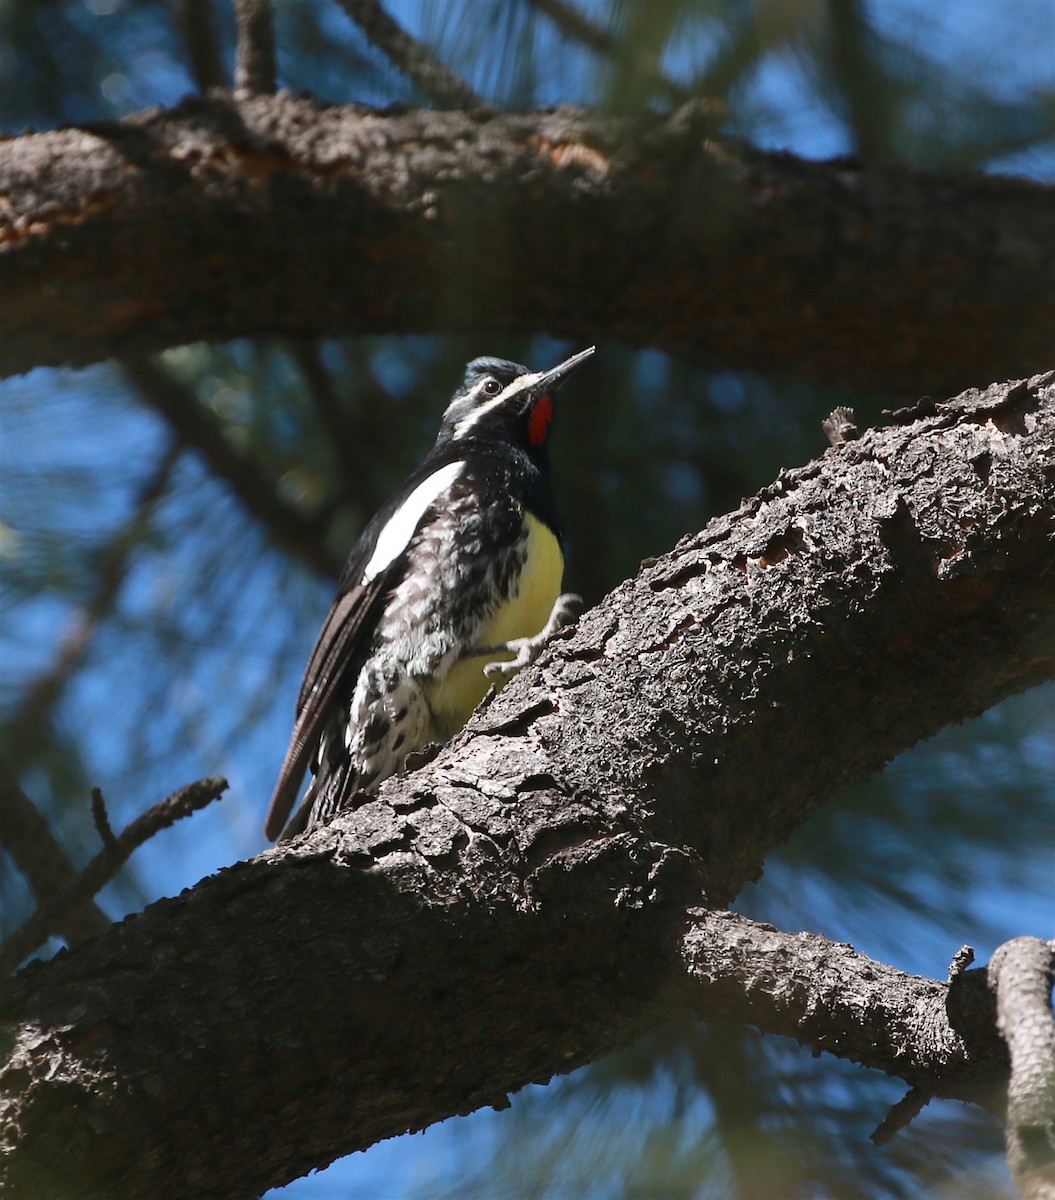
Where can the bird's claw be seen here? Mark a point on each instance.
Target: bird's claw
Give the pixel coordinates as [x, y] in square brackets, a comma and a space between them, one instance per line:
[526, 649]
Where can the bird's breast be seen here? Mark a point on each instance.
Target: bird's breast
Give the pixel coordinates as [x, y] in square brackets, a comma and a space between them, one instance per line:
[522, 612]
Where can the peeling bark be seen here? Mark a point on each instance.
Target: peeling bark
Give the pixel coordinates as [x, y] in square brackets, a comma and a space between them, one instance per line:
[531, 898]
[203, 221]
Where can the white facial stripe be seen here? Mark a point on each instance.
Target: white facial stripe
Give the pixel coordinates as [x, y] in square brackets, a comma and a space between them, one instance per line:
[519, 385]
[400, 528]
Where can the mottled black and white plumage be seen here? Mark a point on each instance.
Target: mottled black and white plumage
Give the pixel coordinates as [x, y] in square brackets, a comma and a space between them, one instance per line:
[452, 585]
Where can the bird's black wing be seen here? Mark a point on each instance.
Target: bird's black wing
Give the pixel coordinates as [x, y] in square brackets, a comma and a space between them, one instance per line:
[344, 639]
[346, 632]
[348, 627]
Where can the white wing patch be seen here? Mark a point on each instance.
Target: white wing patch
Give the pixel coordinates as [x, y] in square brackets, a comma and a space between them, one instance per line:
[400, 528]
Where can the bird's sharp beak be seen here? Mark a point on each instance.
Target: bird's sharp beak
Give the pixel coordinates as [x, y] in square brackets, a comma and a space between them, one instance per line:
[549, 381]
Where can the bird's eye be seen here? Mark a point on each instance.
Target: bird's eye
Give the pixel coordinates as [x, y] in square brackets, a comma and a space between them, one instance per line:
[492, 387]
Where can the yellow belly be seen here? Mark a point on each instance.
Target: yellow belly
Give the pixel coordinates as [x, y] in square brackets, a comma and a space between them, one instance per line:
[523, 615]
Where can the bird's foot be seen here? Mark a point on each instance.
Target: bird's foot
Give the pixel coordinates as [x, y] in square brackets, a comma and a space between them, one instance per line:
[526, 649]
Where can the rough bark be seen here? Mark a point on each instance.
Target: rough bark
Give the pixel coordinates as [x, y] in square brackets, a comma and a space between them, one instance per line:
[1020, 975]
[531, 899]
[203, 221]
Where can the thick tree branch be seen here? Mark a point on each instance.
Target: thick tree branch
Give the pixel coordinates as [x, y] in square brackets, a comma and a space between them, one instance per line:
[939, 1036]
[203, 221]
[518, 906]
[1020, 975]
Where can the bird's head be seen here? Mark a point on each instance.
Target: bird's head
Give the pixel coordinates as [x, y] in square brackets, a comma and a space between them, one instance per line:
[504, 401]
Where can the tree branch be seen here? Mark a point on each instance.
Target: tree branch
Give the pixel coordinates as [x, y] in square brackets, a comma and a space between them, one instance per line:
[794, 266]
[436, 81]
[24, 833]
[254, 71]
[828, 997]
[346, 441]
[300, 536]
[116, 851]
[1020, 974]
[576, 25]
[517, 906]
[23, 729]
[194, 19]
[27, 837]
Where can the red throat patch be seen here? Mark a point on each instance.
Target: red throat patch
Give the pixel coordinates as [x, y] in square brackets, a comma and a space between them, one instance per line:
[540, 419]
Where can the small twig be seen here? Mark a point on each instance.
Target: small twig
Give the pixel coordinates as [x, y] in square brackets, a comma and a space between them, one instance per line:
[961, 960]
[426, 72]
[903, 1113]
[194, 18]
[102, 818]
[254, 71]
[104, 866]
[840, 426]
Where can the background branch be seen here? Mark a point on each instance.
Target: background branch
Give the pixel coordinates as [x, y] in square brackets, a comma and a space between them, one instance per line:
[350, 442]
[576, 25]
[416, 61]
[423, 203]
[26, 836]
[301, 536]
[254, 71]
[54, 916]
[24, 833]
[24, 728]
[194, 19]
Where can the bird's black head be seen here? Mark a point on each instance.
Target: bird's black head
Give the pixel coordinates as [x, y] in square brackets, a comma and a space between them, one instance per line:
[504, 401]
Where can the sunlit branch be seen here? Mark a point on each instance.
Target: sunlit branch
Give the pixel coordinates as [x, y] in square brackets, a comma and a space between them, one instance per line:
[548, 864]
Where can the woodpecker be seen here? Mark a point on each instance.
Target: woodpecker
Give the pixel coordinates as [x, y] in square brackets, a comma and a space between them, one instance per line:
[454, 584]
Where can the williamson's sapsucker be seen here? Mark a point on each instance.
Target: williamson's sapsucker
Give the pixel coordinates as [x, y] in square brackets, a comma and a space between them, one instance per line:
[453, 584]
